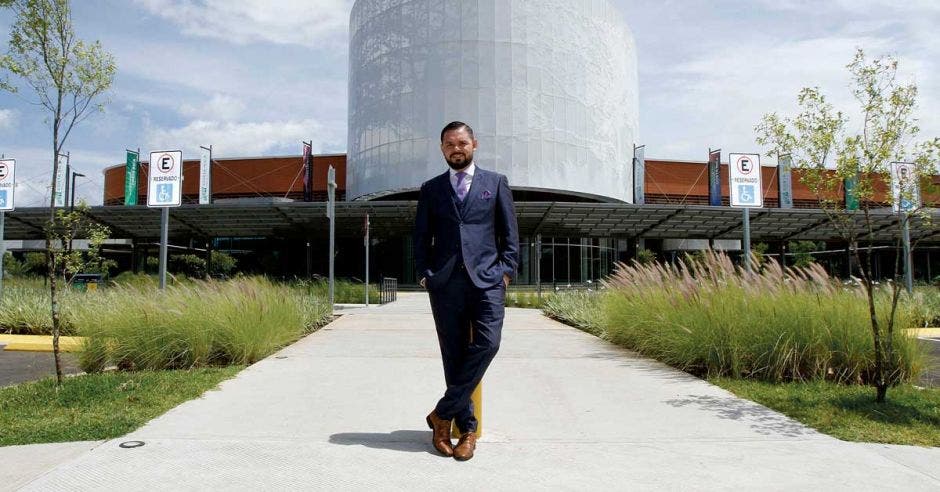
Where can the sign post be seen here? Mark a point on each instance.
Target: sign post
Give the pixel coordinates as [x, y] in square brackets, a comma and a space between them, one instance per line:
[744, 182]
[7, 189]
[331, 213]
[165, 190]
[367, 260]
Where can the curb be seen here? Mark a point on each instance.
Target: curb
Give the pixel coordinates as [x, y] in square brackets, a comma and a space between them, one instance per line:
[39, 343]
[926, 332]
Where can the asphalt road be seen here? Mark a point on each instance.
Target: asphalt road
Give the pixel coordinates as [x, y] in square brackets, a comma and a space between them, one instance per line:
[19, 367]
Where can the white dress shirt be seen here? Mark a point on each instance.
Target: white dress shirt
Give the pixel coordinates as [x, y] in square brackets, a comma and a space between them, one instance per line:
[468, 178]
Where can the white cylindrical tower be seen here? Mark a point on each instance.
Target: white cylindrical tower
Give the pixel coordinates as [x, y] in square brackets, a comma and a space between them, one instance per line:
[549, 87]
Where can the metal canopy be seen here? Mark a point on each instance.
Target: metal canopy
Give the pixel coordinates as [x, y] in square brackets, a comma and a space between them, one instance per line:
[547, 218]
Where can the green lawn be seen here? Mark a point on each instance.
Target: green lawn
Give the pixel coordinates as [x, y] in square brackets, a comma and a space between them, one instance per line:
[97, 406]
[910, 416]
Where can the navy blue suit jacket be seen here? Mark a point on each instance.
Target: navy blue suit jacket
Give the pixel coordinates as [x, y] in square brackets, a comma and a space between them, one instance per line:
[481, 230]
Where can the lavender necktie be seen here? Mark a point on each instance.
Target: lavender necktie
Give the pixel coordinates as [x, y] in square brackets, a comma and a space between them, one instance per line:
[462, 186]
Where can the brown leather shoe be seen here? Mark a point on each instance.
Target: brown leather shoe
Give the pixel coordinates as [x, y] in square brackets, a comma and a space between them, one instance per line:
[465, 446]
[440, 436]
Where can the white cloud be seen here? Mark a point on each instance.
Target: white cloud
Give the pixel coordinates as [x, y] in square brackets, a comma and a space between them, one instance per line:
[8, 118]
[301, 22]
[222, 84]
[238, 139]
[220, 107]
[716, 97]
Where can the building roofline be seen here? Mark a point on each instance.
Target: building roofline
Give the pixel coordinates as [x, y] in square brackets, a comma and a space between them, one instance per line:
[250, 158]
[684, 161]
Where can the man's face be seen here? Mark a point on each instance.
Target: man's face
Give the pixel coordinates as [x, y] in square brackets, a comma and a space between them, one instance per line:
[458, 148]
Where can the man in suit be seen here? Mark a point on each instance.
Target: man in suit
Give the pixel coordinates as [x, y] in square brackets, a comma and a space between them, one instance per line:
[466, 248]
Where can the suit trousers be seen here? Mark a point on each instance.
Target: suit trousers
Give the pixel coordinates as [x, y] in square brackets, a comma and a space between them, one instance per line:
[469, 323]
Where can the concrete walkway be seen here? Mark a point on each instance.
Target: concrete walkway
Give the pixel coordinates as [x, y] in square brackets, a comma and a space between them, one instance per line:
[344, 408]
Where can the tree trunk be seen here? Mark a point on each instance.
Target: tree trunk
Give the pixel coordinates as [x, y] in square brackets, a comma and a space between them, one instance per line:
[53, 280]
[50, 258]
[879, 377]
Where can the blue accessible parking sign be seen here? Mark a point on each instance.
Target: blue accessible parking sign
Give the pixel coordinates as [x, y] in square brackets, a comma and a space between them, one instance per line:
[165, 193]
[746, 194]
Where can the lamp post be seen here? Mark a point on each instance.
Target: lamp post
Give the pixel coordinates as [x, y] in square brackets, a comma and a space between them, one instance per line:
[72, 196]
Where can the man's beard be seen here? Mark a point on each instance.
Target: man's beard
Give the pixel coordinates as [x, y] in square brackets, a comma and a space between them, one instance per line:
[461, 164]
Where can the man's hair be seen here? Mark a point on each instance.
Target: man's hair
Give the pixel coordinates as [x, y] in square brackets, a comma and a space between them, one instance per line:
[456, 125]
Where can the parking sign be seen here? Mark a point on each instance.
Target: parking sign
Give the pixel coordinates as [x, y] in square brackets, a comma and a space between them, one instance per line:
[164, 188]
[7, 184]
[905, 188]
[744, 180]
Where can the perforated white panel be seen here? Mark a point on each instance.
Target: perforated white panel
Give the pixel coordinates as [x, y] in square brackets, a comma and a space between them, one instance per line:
[549, 87]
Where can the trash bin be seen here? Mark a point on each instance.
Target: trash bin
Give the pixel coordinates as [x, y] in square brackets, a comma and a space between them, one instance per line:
[86, 281]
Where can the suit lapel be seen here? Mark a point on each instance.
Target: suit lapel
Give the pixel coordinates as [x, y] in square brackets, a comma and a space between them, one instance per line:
[474, 186]
[450, 194]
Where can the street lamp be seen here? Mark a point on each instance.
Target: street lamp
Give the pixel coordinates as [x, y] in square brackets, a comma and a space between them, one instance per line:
[74, 175]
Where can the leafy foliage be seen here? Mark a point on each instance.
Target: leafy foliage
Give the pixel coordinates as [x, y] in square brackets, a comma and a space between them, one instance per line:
[830, 153]
[68, 77]
[69, 226]
[802, 249]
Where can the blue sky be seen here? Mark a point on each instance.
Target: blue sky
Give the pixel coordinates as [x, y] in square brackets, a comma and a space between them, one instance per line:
[255, 77]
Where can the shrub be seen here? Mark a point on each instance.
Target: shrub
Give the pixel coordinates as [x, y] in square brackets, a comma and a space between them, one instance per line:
[190, 265]
[802, 249]
[222, 263]
[711, 319]
[645, 256]
[35, 263]
[13, 266]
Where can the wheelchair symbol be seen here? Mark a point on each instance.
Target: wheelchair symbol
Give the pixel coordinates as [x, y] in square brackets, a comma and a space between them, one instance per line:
[165, 193]
[746, 193]
[3, 198]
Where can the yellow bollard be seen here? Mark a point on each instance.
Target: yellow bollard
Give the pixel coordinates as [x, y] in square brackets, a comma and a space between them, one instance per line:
[477, 399]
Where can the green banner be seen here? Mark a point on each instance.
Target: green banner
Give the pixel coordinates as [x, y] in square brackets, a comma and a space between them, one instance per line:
[130, 178]
[851, 198]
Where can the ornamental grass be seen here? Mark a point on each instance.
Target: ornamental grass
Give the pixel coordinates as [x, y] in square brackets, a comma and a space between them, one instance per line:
[193, 324]
[710, 318]
[26, 309]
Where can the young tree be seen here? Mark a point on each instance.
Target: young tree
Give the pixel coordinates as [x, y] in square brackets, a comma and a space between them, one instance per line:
[829, 152]
[69, 226]
[68, 76]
